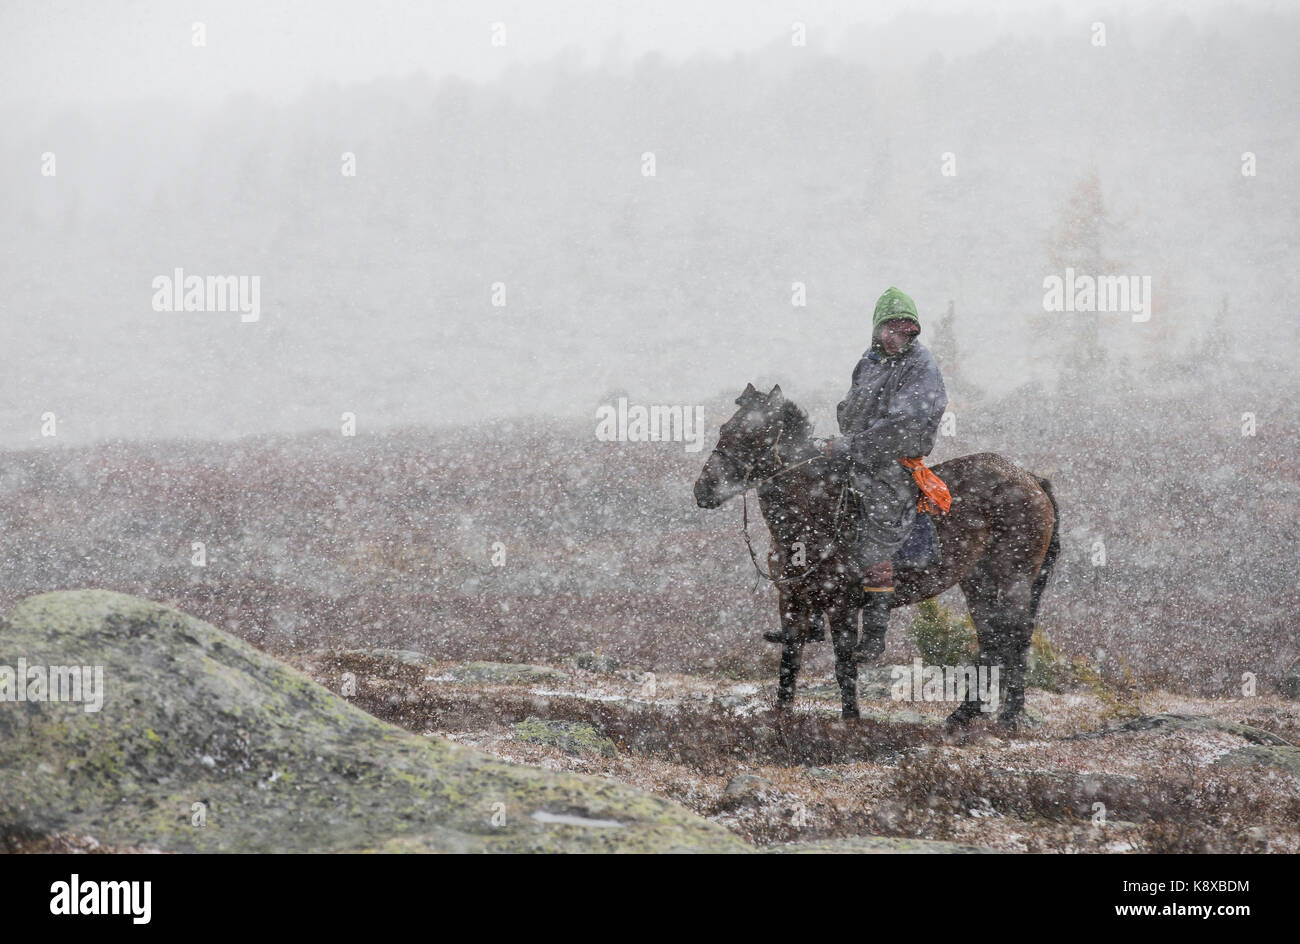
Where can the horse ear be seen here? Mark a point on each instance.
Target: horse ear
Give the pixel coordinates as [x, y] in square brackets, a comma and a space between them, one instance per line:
[748, 394]
[776, 399]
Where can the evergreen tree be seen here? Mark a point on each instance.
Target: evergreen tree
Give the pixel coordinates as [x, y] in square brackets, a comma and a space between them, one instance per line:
[943, 342]
[1073, 340]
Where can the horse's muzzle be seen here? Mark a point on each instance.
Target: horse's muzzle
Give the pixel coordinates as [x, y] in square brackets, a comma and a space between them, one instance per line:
[707, 494]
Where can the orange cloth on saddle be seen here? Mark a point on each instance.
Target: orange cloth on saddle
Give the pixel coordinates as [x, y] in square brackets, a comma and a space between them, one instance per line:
[935, 498]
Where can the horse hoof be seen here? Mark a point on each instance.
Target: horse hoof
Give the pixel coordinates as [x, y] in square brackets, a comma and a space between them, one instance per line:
[959, 719]
[774, 635]
[850, 715]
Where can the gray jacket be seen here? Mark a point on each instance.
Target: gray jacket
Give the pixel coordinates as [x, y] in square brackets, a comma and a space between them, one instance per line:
[893, 410]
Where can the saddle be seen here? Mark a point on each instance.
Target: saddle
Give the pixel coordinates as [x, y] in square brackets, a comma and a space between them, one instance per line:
[919, 550]
[921, 546]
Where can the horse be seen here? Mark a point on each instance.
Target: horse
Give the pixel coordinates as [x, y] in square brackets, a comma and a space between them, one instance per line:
[1000, 541]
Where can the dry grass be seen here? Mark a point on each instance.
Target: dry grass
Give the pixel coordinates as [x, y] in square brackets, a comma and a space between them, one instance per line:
[820, 778]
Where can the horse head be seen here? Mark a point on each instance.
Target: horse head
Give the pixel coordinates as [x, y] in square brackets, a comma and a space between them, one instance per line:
[748, 447]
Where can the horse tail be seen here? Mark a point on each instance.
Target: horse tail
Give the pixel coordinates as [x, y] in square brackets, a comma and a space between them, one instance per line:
[1053, 551]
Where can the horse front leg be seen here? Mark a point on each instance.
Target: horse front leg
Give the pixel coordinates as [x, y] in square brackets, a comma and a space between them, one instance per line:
[843, 637]
[794, 626]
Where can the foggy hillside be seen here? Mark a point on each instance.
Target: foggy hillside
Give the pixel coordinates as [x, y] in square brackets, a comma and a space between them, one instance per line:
[783, 164]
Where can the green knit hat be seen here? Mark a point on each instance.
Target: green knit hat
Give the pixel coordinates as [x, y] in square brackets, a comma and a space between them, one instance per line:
[894, 304]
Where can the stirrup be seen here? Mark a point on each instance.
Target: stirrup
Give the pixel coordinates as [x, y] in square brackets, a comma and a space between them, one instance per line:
[869, 593]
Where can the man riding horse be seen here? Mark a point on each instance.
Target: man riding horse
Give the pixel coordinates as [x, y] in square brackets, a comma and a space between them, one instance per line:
[998, 525]
[892, 412]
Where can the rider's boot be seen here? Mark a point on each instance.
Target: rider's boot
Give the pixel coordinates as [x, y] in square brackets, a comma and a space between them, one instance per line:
[877, 599]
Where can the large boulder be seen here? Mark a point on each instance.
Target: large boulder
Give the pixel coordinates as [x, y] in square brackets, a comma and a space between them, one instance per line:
[205, 744]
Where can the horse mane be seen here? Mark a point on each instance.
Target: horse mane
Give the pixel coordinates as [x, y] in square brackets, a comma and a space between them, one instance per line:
[795, 422]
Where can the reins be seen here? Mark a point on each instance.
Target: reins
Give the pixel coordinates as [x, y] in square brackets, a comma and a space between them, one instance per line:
[744, 518]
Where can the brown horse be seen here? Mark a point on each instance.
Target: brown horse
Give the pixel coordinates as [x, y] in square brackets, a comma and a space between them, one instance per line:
[999, 541]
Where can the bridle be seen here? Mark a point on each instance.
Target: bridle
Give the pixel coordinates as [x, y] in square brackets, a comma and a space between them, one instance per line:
[747, 468]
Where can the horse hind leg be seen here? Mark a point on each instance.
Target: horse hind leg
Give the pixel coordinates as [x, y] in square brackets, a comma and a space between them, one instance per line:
[1001, 608]
[981, 592]
[1029, 543]
[1018, 629]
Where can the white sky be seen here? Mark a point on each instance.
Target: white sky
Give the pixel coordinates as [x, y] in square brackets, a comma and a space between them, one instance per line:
[54, 51]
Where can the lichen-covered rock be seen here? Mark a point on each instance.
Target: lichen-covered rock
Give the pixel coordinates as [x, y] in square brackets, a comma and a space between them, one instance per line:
[400, 656]
[504, 673]
[874, 684]
[744, 785]
[205, 744]
[1284, 759]
[1191, 723]
[572, 737]
[595, 662]
[823, 773]
[877, 845]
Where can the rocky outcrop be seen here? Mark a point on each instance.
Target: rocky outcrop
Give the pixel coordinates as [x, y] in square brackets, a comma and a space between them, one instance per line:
[1263, 757]
[204, 744]
[504, 673]
[1174, 722]
[878, 845]
[572, 737]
